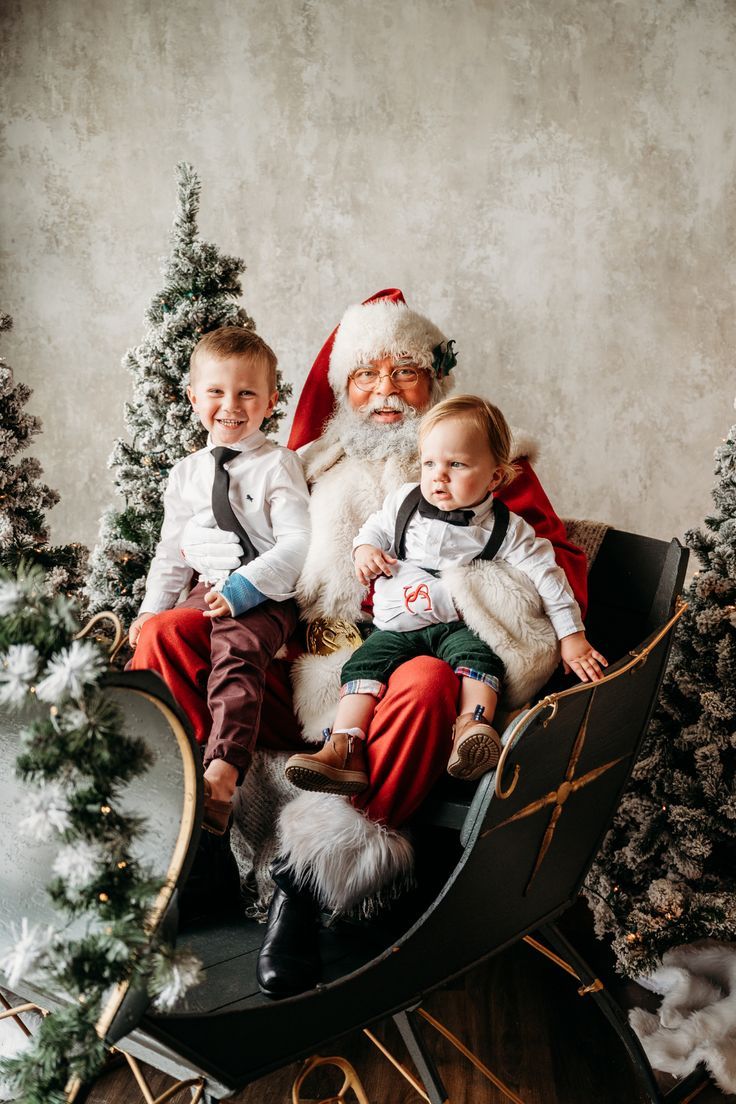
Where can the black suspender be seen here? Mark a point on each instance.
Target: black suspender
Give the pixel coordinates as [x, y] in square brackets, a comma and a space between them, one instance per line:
[500, 527]
[409, 506]
[404, 516]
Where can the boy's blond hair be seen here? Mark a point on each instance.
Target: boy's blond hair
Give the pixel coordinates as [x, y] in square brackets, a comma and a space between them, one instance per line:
[484, 416]
[230, 341]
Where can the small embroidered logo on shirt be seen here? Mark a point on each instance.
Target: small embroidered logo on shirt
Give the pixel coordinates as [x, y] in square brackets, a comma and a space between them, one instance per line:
[413, 594]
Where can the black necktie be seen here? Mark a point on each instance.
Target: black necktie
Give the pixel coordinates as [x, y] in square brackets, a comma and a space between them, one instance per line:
[453, 517]
[221, 508]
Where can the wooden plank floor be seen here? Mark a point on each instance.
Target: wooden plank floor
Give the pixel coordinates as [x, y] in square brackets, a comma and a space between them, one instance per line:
[518, 1012]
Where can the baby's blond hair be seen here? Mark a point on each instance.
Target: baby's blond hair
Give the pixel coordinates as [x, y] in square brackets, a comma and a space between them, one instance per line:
[482, 415]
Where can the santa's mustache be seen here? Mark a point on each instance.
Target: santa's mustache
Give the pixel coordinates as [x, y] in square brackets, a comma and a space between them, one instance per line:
[386, 402]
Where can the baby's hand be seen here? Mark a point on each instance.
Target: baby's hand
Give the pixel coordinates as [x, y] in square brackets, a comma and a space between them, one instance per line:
[579, 656]
[371, 561]
[219, 606]
[135, 629]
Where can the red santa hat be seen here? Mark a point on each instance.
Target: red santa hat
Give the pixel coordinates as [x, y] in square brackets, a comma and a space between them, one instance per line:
[380, 326]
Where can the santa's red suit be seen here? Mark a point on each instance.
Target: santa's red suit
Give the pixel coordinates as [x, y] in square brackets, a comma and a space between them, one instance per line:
[350, 851]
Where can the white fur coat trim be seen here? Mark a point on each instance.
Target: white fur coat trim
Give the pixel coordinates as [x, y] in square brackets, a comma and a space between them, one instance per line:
[344, 858]
[315, 682]
[696, 1021]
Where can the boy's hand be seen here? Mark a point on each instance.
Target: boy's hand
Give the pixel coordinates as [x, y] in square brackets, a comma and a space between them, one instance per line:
[579, 656]
[135, 629]
[371, 561]
[219, 606]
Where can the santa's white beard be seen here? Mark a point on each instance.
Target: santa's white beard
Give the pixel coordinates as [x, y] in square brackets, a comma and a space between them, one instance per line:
[367, 440]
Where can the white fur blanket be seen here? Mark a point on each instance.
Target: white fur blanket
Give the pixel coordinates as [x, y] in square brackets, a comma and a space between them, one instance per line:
[696, 1021]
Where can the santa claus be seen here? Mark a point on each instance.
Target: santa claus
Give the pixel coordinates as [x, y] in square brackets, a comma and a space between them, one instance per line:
[357, 446]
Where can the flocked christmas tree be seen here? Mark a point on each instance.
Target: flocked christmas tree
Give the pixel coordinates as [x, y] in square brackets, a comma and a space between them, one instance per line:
[24, 499]
[665, 875]
[201, 286]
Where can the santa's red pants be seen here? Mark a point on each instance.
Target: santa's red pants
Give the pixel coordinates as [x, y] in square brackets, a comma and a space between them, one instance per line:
[409, 741]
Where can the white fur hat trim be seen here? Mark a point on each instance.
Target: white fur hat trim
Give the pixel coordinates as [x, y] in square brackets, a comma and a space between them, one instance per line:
[382, 328]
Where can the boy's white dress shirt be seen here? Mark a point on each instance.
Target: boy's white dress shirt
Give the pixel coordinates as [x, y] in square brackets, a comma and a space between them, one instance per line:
[413, 598]
[269, 496]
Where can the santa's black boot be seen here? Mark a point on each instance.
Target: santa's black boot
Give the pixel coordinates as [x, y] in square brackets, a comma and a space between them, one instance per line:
[289, 959]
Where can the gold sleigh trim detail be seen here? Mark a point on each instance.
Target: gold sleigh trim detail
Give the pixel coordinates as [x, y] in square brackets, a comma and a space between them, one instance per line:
[550, 702]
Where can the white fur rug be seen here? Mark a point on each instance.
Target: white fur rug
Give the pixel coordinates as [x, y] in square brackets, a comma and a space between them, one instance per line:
[696, 1021]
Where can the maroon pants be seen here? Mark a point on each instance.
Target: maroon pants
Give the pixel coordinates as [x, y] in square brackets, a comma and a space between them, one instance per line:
[241, 648]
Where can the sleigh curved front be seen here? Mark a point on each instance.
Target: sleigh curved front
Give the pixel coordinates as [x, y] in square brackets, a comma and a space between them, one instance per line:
[528, 834]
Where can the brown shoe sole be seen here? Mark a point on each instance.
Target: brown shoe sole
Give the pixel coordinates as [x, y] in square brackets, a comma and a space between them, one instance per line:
[476, 754]
[303, 772]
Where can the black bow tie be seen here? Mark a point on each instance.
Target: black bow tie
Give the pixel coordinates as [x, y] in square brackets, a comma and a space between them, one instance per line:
[453, 517]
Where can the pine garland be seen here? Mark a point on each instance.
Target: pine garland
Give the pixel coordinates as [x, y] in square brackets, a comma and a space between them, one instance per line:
[200, 288]
[78, 758]
[24, 499]
[665, 874]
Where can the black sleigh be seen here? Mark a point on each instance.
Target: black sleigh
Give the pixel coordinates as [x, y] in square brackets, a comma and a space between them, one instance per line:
[508, 858]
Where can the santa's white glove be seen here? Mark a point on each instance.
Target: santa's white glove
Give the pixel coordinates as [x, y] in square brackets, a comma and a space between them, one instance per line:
[211, 552]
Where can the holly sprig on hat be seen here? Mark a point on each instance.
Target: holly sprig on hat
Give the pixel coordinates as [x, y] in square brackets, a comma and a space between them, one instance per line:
[445, 359]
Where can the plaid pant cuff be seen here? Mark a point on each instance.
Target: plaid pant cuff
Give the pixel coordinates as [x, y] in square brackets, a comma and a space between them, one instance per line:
[364, 686]
[490, 680]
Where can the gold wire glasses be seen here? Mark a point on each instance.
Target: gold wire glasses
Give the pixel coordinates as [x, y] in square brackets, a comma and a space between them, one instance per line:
[367, 378]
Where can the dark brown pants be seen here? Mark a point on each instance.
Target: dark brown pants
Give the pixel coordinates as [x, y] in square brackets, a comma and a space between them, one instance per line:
[241, 649]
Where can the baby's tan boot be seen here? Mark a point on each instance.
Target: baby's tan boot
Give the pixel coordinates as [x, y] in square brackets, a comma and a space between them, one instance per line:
[476, 746]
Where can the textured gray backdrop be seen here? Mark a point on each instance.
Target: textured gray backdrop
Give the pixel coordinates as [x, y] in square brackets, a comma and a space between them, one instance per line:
[552, 182]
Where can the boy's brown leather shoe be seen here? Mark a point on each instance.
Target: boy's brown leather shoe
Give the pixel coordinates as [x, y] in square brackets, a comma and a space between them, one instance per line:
[476, 748]
[339, 768]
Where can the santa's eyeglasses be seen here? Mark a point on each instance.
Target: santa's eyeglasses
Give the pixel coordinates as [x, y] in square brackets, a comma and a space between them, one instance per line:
[368, 378]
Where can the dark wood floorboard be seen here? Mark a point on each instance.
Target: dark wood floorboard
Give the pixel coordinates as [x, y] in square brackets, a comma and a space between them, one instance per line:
[518, 1013]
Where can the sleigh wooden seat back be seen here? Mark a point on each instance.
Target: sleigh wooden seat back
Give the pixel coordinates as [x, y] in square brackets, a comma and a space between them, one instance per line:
[529, 833]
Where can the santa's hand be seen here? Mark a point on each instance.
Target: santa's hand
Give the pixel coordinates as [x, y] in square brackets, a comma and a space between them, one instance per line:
[212, 552]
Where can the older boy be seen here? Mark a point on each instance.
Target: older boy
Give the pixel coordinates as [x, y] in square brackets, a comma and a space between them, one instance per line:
[243, 483]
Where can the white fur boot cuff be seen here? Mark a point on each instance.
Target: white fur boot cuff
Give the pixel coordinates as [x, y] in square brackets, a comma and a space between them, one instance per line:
[341, 855]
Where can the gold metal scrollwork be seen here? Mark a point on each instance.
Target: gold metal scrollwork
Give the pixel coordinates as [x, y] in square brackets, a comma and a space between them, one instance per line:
[119, 638]
[350, 1080]
[551, 701]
